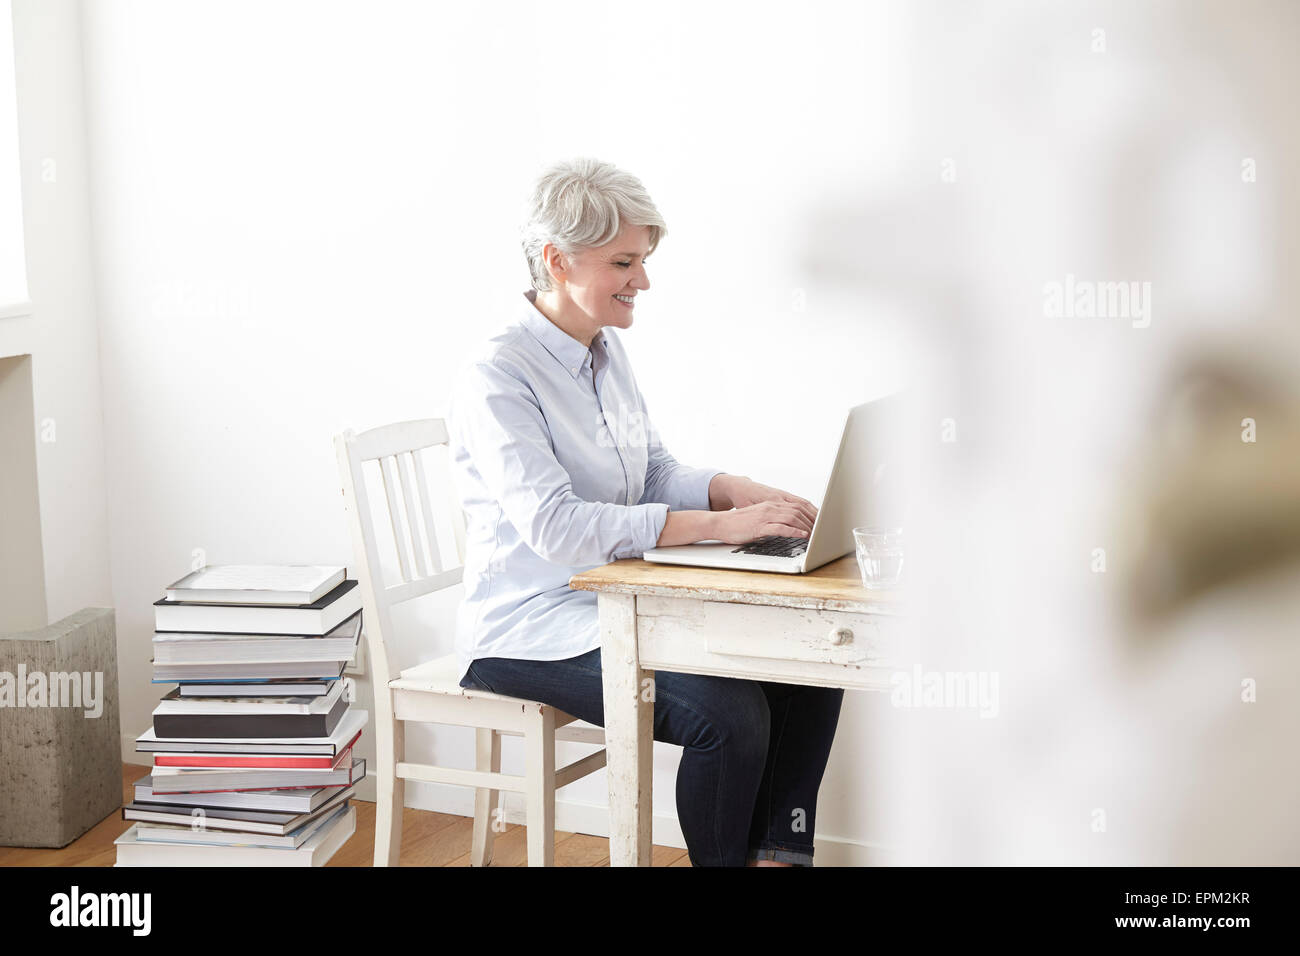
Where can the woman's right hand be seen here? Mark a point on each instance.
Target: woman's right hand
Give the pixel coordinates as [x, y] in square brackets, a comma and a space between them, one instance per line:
[742, 525]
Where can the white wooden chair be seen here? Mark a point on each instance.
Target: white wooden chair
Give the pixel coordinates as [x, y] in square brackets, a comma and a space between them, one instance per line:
[429, 692]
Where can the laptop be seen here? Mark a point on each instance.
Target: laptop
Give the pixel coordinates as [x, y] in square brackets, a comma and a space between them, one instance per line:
[864, 489]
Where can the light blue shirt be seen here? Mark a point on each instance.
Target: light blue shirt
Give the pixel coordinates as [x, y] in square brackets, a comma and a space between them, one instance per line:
[559, 470]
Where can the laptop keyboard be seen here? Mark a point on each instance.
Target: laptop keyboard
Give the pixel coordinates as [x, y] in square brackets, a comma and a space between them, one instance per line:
[774, 545]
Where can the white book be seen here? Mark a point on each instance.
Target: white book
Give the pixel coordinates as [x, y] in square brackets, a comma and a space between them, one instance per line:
[284, 687]
[270, 801]
[313, 620]
[273, 584]
[317, 851]
[189, 834]
[254, 652]
[175, 647]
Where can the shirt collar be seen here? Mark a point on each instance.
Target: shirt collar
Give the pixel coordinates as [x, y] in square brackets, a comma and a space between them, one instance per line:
[567, 350]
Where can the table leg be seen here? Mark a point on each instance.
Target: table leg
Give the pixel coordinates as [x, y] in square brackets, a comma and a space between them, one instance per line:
[629, 731]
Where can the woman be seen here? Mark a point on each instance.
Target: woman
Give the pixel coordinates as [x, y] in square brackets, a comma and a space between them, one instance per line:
[559, 471]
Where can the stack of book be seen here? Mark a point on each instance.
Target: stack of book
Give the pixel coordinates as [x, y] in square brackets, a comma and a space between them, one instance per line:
[253, 749]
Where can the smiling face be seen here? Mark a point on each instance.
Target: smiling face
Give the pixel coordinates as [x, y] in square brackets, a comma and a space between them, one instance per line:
[600, 284]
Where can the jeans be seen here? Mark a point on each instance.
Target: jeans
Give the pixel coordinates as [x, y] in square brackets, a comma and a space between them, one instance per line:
[753, 758]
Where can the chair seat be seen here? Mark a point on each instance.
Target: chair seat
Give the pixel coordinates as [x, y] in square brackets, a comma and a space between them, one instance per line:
[441, 676]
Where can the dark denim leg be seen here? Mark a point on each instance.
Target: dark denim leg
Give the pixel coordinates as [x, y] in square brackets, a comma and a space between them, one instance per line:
[803, 722]
[574, 685]
[722, 724]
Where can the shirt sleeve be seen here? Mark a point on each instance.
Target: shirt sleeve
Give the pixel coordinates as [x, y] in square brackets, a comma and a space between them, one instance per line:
[667, 480]
[497, 421]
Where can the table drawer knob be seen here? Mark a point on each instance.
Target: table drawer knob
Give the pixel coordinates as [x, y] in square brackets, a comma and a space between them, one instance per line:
[841, 635]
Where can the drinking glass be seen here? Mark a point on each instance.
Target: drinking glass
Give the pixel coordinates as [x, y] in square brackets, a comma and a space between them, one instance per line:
[880, 556]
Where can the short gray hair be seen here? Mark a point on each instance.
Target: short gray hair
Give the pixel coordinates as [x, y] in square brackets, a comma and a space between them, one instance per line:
[582, 203]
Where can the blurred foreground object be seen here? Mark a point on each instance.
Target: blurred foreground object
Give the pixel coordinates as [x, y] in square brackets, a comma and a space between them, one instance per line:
[1218, 488]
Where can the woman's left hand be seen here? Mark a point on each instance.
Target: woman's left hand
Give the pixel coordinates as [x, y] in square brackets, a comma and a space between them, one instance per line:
[744, 492]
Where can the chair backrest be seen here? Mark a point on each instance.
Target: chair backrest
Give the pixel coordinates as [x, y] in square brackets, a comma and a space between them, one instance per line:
[399, 450]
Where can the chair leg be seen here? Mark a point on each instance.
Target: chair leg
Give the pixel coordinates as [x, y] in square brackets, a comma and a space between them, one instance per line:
[390, 747]
[539, 746]
[487, 759]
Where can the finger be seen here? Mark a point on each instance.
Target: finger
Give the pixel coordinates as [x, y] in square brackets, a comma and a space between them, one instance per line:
[786, 531]
[793, 519]
[791, 515]
[805, 506]
[799, 517]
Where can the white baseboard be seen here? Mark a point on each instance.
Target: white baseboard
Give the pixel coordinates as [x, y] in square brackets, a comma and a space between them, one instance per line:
[592, 819]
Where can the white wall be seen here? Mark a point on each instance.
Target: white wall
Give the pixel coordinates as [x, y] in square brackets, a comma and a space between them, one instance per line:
[60, 331]
[306, 216]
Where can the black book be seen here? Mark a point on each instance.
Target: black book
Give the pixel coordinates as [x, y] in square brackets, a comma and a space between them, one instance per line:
[243, 726]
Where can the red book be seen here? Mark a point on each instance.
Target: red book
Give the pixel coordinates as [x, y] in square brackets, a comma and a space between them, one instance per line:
[218, 781]
[258, 761]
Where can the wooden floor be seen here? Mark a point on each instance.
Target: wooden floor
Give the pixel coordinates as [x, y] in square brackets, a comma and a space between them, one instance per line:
[428, 839]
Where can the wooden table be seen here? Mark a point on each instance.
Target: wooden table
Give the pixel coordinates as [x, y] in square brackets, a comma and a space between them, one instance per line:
[819, 628]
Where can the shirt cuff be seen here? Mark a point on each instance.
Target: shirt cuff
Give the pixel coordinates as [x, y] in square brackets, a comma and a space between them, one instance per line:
[646, 524]
[696, 487]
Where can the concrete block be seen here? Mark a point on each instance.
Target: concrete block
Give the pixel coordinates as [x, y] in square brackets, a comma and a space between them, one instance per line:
[60, 748]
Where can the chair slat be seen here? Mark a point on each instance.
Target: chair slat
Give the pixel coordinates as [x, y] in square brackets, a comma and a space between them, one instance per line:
[457, 516]
[435, 554]
[412, 516]
[397, 593]
[387, 467]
